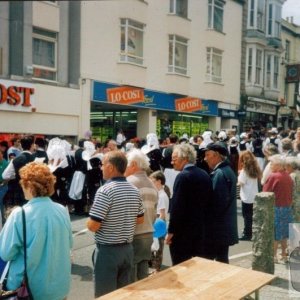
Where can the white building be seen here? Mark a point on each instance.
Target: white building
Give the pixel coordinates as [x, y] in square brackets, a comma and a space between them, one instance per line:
[161, 66]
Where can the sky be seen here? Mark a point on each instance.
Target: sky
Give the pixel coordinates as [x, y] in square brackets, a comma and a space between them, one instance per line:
[292, 8]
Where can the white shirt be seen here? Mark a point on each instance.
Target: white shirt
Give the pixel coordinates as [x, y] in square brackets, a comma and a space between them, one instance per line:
[249, 187]
[163, 201]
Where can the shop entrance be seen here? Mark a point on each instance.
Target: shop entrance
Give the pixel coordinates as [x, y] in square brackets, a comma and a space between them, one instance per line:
[106, 122]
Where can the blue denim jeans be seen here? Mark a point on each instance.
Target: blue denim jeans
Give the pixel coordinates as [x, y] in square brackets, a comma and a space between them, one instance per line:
[3, 190]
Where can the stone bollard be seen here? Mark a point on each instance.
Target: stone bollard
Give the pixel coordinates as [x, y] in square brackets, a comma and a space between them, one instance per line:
[263, 233]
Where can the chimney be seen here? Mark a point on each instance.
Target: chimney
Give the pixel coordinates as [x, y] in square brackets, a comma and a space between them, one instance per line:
[292, 20]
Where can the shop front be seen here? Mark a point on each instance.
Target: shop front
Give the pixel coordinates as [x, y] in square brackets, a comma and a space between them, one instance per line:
[38, 109]
[138, 111]
[260, 113]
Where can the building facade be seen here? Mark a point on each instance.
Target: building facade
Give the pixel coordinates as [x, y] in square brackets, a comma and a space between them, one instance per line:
[289, 110]
[261, 66]
[160, 66]
[40, 68]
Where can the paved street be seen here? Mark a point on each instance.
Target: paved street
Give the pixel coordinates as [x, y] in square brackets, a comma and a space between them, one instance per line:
[82, 281]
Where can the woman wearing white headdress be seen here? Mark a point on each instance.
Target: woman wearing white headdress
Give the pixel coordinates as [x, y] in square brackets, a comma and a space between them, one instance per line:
[151, 149]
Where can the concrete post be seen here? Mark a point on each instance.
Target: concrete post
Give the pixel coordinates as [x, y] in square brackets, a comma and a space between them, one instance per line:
[263, 233]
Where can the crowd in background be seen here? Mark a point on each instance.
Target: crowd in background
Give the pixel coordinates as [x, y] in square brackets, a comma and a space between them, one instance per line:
[170, 175]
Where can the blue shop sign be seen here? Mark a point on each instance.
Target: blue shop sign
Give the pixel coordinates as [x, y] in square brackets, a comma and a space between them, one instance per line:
[143, 98]
[227, 113]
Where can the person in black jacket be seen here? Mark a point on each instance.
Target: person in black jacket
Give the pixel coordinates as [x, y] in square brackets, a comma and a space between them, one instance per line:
[188, 225]
[223, 228]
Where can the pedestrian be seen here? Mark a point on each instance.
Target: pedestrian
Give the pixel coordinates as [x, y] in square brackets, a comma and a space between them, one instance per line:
[187, 231]
[159, 180]
[11, 173]
[40, 151]
[224, 232]
[248, 180]
[151, 149]
[48, 236]
[281, 184]
[3, 186]
[292, 168]
[116, 210]
[138, 164]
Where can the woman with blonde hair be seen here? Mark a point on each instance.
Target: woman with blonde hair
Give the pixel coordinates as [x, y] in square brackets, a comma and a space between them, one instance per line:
[248, 180]
[48, 238]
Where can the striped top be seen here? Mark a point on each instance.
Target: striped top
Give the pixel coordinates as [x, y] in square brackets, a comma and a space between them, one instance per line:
[117, 205]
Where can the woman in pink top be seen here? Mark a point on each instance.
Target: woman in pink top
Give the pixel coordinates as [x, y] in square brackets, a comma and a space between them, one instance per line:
[281, 184]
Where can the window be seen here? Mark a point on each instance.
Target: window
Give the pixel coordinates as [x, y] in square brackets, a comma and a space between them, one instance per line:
[254, 67]
[258, 70]
[272, 71]
[276, 72]
[274, 20]
[44, 47]
[256, 14]
[131, 41]
[250, 61]
[177, 54]
[214, 64]
[287, 51]
[179, 8]
[215, 14]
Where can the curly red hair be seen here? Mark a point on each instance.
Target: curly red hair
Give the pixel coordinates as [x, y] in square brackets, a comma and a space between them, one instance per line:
[38, 178]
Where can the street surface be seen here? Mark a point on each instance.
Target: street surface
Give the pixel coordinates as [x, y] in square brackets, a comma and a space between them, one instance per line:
[82, 268]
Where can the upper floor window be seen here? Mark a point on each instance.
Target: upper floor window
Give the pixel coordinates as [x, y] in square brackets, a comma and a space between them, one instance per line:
[254, 66]
[179, 8]
[132, 42]
[215, 14]
[177, 54]
[256, 14]
[287, 51]
[214, 64]
[44, 56]
[274, 20]
[272, 71]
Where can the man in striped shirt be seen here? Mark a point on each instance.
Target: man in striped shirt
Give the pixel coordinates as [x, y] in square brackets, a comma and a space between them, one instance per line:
[116, 210]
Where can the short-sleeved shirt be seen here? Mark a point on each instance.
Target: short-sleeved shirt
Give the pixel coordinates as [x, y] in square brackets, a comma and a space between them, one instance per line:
[163, 201]
[116, 206]
[249, 187]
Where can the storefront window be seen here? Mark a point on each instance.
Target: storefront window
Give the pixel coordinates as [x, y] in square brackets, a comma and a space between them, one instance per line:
[105, 124]
[179, 124]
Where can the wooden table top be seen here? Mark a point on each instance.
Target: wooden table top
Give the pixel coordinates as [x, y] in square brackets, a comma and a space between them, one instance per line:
[196, 278]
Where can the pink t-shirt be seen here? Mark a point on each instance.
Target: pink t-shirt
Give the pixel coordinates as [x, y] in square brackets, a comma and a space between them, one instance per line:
[282, 185]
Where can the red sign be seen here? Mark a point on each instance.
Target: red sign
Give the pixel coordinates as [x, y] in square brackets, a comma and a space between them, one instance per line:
[188, 104]
[15, 95]
[125, 95]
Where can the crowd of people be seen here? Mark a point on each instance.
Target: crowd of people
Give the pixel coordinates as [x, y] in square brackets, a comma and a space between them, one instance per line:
[140, 194]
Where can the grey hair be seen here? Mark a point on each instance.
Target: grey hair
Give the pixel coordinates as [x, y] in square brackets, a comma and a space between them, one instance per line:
[292, 161]
[141, 159]
[270, 149]
[278, 159]
[186, 151]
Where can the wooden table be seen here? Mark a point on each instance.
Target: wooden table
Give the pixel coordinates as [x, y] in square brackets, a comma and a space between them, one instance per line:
[196, 278]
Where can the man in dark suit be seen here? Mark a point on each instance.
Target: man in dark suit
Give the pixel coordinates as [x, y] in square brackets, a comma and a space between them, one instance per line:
[224, 232]
[189, 206]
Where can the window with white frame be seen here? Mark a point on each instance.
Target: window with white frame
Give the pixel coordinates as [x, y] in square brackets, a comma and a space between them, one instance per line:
[256, 14]
[215, 14]
[214, 64]
[272, 71]
[132, 41]
[259, 67]
[254, 67]
[44, 54]
[179, 8]
[274, 20]
[177, 54]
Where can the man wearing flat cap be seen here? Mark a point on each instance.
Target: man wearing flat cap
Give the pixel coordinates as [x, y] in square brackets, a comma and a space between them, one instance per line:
[224, 231]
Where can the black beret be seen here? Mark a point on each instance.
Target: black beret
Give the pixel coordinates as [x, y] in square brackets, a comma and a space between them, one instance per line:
[217, 148]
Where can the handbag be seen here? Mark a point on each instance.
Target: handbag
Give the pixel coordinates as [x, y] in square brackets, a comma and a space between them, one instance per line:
[23, 292]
